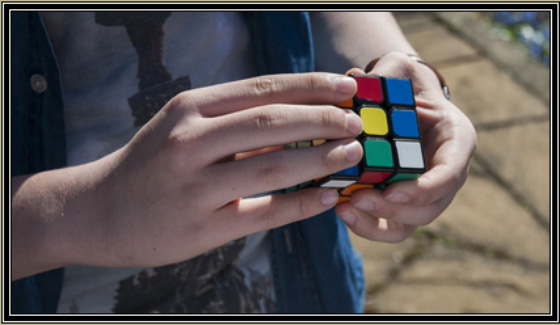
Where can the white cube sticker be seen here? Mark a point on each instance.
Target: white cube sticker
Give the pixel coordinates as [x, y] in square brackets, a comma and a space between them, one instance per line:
[338, 183]
[410, 154]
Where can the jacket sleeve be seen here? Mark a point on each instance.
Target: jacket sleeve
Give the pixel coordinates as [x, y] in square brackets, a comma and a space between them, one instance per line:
[37, 137]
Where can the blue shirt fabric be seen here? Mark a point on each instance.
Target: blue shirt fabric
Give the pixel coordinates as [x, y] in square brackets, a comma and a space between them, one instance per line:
[314, 266]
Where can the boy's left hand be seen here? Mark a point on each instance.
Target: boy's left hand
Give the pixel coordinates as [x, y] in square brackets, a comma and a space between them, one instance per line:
[449, 140]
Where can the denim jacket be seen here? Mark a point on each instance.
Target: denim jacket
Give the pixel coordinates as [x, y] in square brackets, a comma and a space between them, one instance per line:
[314, 266]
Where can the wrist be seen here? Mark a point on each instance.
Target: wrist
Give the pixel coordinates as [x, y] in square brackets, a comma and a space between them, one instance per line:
[37, 213]
[51, 222]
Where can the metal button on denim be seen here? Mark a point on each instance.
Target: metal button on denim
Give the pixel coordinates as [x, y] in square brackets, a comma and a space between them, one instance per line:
[38, 83]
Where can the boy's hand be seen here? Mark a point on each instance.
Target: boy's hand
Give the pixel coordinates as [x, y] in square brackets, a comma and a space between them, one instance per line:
[449, 141]
[176, 190]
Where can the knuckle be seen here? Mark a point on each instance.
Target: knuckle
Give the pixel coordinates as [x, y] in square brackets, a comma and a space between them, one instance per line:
[408, 66]
[269, 120]
[272, 173]
[266, 86]
[315, 81]
[182, 103]
[303, 207]
[333, 118]
[405, 64]
[329, 163]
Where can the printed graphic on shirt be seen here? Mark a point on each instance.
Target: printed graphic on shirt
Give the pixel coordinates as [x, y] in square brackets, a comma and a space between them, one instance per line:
[210, 283]
[145, 30]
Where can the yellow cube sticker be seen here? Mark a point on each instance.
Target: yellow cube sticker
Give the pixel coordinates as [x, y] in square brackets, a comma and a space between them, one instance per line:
[374, 121]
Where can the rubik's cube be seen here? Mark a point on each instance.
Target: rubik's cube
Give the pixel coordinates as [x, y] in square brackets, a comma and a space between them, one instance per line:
[390, 139]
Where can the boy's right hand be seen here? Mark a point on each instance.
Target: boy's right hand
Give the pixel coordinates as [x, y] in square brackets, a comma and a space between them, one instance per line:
[177, 189]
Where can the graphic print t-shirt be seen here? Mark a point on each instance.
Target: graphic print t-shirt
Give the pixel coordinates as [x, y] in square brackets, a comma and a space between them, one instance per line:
[111, 66]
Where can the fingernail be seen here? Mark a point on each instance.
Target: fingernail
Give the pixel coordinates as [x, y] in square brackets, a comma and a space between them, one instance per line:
[353, 123]
[329, 197]
[348, 218]
[365, 205]
[353, 151]
[345, 84]
[397, 197]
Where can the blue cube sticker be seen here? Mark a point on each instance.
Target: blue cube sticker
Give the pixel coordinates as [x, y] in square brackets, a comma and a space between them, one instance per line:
[405, 123]
[399, 92]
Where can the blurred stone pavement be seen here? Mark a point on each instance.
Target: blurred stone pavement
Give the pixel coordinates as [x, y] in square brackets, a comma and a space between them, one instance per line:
[489, 252]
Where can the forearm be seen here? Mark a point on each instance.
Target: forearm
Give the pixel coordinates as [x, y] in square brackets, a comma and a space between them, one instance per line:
[49, 218]
[345, 40]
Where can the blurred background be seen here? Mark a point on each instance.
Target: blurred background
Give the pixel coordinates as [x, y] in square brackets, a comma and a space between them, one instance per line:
[489, 252]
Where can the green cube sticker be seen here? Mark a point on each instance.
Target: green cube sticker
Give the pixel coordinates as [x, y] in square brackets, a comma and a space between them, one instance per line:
[404, 177]
[378, 153]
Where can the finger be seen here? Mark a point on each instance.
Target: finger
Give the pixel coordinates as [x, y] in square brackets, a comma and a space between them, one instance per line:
[277, 125]
[307, 88]
[372, 202]
[354, 71]
[281, 169]
[247, 216]
[429, 188]
[373, 227]
[425, 81]
[393, 64]
[448, 148]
